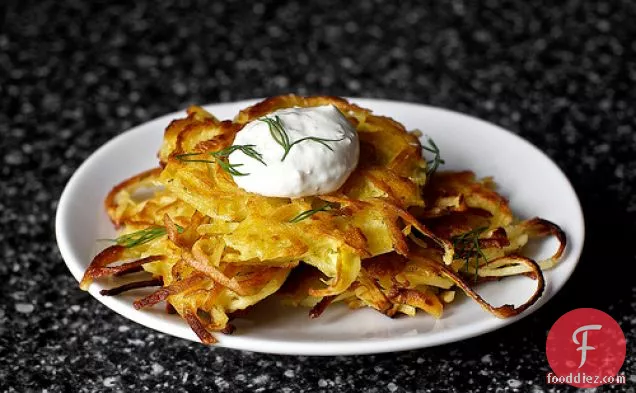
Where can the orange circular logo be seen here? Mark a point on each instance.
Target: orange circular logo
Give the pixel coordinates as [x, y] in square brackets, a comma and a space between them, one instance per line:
[585, 348]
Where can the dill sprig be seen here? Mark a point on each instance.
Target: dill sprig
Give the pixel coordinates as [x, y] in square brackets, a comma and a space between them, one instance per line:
[220, 158]
[280, 135]
[226, 166]
[143, 236]
[467, 247]
[437, 158]
[248, 150]
[311, 212]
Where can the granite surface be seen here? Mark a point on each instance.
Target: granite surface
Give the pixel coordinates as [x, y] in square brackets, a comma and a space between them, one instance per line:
[73, 74]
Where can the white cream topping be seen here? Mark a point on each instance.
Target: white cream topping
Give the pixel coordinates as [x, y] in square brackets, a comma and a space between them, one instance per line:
[310, 168]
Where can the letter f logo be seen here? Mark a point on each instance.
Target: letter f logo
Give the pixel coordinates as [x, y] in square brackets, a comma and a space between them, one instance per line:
[584, 347]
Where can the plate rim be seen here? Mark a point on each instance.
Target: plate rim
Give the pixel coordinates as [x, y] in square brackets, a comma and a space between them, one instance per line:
[323, 347]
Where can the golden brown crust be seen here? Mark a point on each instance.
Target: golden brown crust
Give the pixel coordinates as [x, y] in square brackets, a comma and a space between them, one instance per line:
[321, 306]
[163, 293]
[111, 199]
[476, 194]
[385, 265]
[106, 256]
[538, 227]
[155, 282]
[197, 326]
[505, 311]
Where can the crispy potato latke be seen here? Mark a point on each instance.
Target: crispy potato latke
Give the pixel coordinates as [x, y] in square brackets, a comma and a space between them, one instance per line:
[392, 238]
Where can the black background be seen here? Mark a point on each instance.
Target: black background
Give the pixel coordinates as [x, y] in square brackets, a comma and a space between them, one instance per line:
[73, 74]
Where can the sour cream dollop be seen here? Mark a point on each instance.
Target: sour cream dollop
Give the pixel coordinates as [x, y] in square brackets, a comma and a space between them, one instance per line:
[310, 168]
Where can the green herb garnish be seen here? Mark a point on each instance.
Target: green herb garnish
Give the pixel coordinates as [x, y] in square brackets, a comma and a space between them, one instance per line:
[437, 159]
[467, 247]
[280, 135]
[143, 236]
[309, 213]
[248, 150]
[220, 157]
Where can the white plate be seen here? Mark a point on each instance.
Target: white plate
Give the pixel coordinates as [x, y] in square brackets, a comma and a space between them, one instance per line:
[532, 182]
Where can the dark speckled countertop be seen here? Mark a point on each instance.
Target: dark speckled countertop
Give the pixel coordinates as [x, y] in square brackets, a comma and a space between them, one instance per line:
[73, 74]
